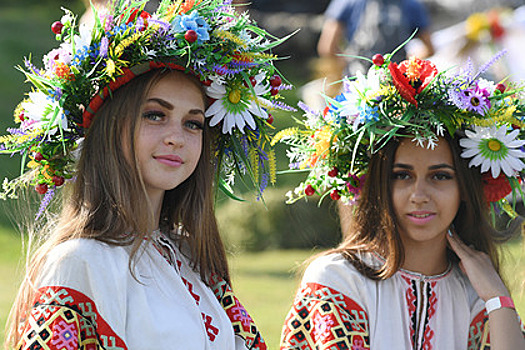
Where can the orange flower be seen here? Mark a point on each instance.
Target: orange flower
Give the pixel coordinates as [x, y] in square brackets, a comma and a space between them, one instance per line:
[188, 5]
[62, 71]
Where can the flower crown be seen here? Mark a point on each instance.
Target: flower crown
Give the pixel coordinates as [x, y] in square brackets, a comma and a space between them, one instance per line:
[206, 38]
[410, 98]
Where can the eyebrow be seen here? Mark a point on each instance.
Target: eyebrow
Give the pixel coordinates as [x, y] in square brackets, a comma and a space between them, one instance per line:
[169, 106]
[432, 167]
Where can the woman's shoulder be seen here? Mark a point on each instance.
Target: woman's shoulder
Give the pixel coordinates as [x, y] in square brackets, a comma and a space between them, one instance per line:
[335, 271]
[335, 263]
[82, 258]
[86, 249]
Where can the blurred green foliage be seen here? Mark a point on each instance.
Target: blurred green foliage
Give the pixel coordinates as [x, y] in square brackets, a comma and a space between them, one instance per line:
[249, 226]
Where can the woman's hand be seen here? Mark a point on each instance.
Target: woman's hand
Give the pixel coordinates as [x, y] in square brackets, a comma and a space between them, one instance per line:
[479, 269]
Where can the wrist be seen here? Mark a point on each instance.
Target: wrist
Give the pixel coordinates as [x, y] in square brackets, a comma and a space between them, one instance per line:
[498, 303]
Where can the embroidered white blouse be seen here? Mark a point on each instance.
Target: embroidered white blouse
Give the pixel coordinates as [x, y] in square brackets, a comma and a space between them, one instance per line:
[339, 308]
[88, 298]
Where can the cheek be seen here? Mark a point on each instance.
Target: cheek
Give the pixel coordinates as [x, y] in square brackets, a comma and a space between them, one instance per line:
[196, 148]
[398, 197]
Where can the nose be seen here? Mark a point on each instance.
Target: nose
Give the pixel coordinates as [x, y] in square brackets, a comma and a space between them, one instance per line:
[419, 192]
[174, 134]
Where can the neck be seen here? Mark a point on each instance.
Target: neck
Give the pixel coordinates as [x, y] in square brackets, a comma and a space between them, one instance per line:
[156, 198]
[426, 258]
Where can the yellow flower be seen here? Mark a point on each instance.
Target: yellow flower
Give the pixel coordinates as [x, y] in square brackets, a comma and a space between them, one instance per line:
[475, 25]
[322, 139]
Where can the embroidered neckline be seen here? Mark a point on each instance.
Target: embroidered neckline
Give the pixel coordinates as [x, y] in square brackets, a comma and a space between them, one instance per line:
[417, 275]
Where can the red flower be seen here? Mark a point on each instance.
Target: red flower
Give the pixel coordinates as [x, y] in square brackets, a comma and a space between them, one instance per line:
[495, 189]
[133, 14]
[402, 84]
[412, 76]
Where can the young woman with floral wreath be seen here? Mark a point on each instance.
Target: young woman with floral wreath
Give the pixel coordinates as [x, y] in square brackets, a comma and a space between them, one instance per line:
[134, 260]
[421, 268]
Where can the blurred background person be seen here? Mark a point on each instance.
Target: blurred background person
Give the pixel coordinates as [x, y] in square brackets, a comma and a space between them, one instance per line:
[365, 28]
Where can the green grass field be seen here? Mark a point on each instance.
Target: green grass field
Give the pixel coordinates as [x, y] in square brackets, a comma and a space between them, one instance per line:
[265, 282]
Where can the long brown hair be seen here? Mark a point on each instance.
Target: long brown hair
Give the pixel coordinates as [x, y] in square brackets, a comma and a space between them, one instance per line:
[103, 202]
[375, 228]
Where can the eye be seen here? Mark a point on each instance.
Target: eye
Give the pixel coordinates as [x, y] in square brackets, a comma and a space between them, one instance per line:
[400, 175]
[153, 115]
[440, 176]
[194, 125]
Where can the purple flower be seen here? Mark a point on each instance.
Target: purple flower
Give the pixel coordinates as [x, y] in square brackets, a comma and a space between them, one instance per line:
[30, 67]
[283, 106]
[45, 201]
[306, 108]
[104, 43]
[355, 184]
[108, 22]
[471, 99]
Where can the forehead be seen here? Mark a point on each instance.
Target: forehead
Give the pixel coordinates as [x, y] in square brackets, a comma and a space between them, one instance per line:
[177, 86]
[410, 153]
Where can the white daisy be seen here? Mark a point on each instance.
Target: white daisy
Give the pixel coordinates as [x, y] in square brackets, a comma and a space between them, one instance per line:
[236, 106]
[495, 149]
[40, 110]
[356, 94]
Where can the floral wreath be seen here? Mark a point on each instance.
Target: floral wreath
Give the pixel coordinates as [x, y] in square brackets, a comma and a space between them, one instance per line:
[228, 53]
[410, 98]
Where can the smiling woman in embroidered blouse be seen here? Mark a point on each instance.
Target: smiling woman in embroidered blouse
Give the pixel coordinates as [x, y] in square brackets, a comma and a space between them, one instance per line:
[118, 116]
[420, 270]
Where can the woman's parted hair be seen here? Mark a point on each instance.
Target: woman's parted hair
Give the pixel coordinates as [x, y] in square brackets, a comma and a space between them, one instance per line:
[108, 202]
[375, 228]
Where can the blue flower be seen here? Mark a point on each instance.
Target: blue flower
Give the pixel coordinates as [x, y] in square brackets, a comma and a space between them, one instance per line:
[368, 114]
[193, 21]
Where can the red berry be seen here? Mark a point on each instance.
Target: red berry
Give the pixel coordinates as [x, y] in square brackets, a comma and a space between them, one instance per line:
[253, 81]
[378, 59]
[335, 195]
[275, 81]
[222, 70]
[38, 157]
[21, 116]
[274, 91]
[333, 172]
[309, 190]
[206, 82]
[501, 87]
[56, 27]
[58, 180]
[270, 119]
[41, 188]
[191, 36]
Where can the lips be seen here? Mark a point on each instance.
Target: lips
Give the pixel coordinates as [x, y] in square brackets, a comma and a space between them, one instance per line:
[420, 217]
[169, 160]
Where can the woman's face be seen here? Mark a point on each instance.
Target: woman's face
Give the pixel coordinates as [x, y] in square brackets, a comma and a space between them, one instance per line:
[425, 192]
[168, 144]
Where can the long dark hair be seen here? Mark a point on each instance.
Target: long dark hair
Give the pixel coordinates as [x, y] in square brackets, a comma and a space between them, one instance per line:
[375, 228]
[108, 198]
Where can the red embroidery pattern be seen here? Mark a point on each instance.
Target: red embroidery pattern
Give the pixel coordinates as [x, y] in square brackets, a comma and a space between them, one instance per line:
[412, 304]
[478, 335]
[325, 319]
[211, 330]
[65, 319]
[243, 325]
[411, 299]
[431, 311]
